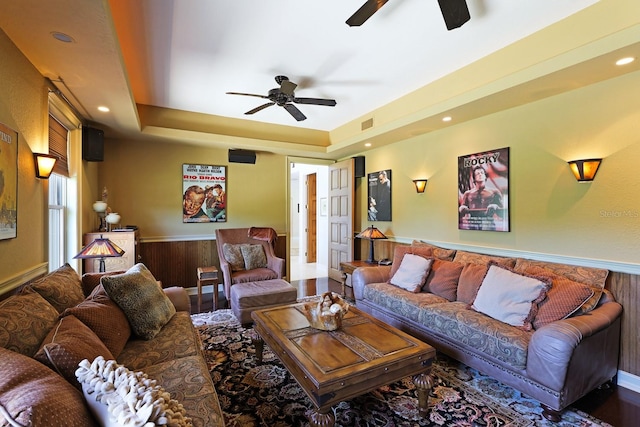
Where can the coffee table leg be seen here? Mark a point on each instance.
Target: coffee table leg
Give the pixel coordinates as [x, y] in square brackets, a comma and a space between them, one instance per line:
[258, 344]
[322, 419]
[423, 384]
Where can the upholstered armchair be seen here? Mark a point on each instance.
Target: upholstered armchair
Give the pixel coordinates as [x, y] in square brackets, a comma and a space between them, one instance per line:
[234, 258]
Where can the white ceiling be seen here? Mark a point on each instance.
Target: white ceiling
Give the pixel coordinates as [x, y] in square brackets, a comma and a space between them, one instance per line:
[184, 55]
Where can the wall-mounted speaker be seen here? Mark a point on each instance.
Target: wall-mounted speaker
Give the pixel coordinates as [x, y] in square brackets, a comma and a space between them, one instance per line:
[454, 12]
[242, 156]
[359, 167]
[92, 144]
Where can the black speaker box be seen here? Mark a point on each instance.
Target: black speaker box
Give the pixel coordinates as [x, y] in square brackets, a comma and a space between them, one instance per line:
[92, 144]
[242, 156]
[454, 12]
[359, 167]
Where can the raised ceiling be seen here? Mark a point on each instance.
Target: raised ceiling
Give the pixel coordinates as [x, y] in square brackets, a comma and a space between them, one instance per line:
[163, 67]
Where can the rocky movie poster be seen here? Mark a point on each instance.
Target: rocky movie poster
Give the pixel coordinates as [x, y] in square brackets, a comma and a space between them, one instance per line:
[483, 191]
[204, 193]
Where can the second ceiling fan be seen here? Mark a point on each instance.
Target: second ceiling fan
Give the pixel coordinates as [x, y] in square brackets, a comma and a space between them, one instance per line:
[454, 12]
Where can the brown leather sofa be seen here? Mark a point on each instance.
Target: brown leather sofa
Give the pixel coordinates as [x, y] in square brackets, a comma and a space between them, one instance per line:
[556, 364]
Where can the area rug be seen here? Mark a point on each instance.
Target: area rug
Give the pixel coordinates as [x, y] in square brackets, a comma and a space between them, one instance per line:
[253, 395]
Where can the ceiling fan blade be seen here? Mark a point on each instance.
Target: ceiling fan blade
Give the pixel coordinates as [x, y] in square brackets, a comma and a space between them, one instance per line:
[365, 12]
[262, 107]
[315, 101]
[287, 87]
[293, 110]
[248, 94]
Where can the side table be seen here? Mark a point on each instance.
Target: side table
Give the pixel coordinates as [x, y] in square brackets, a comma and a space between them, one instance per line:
[348, 267]
[208, 275]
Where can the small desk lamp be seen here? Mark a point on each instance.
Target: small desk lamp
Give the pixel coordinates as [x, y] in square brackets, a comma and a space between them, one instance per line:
[100, 248]
[371, 234]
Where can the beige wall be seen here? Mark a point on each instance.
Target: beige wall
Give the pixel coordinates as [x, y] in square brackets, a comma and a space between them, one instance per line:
[550, 212]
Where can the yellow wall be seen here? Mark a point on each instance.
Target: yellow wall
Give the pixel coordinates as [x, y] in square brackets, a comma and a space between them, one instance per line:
[551, 212]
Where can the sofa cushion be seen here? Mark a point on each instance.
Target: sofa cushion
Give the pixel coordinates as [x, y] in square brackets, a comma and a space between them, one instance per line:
[436, 251]
[105, 318]
[478, 332]
[401, 250]
[140, 296]
[24, 402]
[469, 282]
[233, 254]
[25, 320]
[62, 288]
[510, 297]
[255, 275]
[443, 278]
[254, 256]
[412, 273]
[68, 343]
[400, 301]
[563, 299]
[476, 258]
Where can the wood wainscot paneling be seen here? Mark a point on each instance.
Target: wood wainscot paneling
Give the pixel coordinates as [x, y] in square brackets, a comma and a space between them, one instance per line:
[626, 289]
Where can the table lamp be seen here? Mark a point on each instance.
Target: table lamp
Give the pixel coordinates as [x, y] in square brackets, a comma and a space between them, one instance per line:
[100, 248]
[371, 234]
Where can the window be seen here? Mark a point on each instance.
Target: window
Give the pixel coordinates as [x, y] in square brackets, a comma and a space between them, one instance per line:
[57, 209]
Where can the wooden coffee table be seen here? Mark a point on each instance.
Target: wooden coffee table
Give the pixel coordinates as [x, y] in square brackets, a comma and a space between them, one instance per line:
[334, 366]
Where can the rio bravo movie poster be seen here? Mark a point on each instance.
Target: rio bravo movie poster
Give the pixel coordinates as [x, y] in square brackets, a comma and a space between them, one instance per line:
[204, 193]
[483, 191]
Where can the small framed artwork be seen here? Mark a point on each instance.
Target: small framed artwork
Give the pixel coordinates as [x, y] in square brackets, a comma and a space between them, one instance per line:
[8, 183]
[379, 196]
[204, 193]
[483, 191]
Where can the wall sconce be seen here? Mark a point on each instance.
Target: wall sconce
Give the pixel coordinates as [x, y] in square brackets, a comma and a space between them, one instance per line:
[44, 164]
[420, 185]
[585, 170]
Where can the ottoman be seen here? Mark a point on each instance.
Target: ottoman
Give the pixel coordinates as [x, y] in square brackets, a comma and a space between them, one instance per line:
[249, 296]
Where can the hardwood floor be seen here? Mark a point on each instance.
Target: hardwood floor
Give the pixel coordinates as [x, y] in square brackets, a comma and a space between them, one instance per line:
[617, 406]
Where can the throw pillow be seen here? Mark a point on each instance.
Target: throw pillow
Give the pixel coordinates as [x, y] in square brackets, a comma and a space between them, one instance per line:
[470, 280]
[144, 303]
[106, 386]
[25, 320]
[412, 273]
[563, 299]
[31, 394]
[62, 288]
[67, 345]
[254, 256]
[105, 318]
[443, 278]
[510, 297]
[476, 258]
[437, 251]
[91, 280]
[401, 250]
[233, 254]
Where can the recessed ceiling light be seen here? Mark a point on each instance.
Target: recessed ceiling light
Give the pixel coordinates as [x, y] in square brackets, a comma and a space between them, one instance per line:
[625, 61]
[446, 119]
[367, 144]
[62, 37]
[103, 109]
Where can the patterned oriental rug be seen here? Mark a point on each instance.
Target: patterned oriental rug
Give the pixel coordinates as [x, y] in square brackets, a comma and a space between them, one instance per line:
[264, 395]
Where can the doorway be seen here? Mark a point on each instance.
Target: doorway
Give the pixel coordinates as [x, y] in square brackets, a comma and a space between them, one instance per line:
[308, 219]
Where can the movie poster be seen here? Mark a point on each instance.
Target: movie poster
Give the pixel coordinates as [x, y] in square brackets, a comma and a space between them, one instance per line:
[379, 196]
[8, 182]
[483, 191]
[204, 193]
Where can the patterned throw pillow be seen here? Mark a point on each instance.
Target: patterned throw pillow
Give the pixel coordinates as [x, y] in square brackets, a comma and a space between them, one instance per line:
[141, 298]
[254, 256]
[105, 318]
[62, 288]
[443, 279]
[476, 258]
[25, 320]
[69, 343]
[437, 251]
[23, 401]
[412, 273]
[233, 254]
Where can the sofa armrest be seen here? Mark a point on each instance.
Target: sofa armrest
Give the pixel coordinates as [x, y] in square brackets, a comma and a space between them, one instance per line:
[586, 344]
[363, 275]
[179, 297]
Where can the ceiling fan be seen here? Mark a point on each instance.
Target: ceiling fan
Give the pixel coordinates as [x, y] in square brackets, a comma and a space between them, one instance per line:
[454, 12]
[284, 97]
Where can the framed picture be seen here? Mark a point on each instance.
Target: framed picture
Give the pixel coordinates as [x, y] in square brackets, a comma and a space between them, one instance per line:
[8, 183]
[204, 193]
[379, 196]
[483, 191]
